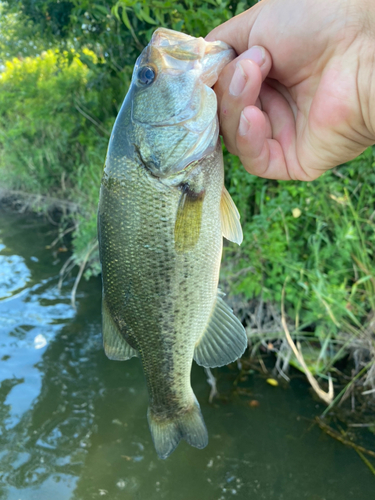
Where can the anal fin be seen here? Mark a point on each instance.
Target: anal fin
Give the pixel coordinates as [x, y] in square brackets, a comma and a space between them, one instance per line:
[115, 346]
[224, 340]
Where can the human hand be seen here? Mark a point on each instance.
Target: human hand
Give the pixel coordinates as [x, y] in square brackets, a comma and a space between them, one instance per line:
[316, 106]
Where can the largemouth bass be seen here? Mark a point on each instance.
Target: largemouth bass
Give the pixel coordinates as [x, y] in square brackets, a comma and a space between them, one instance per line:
[163, 211]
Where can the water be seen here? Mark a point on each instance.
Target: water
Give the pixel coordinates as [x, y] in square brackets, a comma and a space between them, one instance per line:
[73, 424]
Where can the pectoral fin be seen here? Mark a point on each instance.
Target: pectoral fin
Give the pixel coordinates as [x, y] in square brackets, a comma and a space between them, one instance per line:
[224, 340]
[115, 346]
[188, 220]
[230, 219]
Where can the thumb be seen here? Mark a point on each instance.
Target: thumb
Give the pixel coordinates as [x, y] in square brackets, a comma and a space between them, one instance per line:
[236, 31]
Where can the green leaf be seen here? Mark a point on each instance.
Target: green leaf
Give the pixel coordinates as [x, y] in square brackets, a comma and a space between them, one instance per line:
[146, 17]
[125, 19]
[101, 9]
[115, 10]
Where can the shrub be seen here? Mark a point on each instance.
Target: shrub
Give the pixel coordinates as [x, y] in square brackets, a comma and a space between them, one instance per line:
[45, 139]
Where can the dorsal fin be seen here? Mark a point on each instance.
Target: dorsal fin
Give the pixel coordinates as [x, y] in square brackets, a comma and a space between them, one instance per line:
[224, 340]
[230, 218]
[115, 346]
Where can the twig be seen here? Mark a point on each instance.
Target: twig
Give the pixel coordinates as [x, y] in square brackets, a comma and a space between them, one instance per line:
[63, 269]
[212, 382]
[261, 362]
[79, 275]
[347, 393]
[61, 236]
[367, 462]
[362, 425]
[327, 397]
[370, 391]
[281, 357]
[282, 374]
[359, 374]
[88, 117]
[336, 435]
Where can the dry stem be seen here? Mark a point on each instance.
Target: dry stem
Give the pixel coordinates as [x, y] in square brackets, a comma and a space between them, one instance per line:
[327, 397]
[80, 272]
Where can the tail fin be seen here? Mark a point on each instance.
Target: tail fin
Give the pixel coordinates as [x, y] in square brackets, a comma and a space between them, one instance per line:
[166, 434]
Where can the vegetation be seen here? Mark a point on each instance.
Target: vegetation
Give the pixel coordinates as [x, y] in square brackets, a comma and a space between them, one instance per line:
[66, 66]
[315, 240]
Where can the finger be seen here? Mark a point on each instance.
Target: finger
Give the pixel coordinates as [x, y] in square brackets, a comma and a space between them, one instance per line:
[286, 93]
[269, 155]
[257, 54]
[259, 154]
[236, 31]
[242, 91]
[283, 123]
[238, 87]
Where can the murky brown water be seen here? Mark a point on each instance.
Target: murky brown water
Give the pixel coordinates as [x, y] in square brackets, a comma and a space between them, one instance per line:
[73, 424]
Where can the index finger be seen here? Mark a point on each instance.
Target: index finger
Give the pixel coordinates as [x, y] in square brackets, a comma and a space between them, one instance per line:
[236, 31]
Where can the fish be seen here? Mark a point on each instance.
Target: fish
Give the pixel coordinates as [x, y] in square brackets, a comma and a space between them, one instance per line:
[163, 212]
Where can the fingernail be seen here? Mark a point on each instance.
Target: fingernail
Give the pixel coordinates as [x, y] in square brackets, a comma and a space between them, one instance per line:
[238, 82]
[244, 125]
[256, 54]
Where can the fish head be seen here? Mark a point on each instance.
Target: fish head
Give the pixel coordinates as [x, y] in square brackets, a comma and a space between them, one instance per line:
[173, 116]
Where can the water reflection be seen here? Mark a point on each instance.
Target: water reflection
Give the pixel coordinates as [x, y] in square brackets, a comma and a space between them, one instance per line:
[32, 313]
[14, 274]
[73, 424]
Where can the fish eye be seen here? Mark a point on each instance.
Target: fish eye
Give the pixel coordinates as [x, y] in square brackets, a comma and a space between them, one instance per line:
[146, 75]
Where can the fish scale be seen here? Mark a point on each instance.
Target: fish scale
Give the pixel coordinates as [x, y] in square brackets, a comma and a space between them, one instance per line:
[174, 289]
[160, 229]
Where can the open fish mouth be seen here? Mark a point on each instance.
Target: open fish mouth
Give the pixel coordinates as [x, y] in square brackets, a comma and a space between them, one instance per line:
[209, 58]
